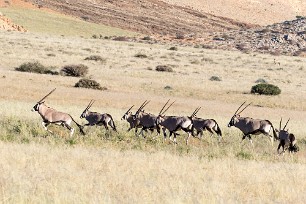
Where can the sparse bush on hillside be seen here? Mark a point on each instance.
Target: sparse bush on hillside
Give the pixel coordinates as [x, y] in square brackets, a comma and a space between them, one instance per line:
[164, 68]
[89, 84]
[147, 38]
[36, 67]
[215, 78]
[75, 70]
[173, 48]
[139, 55]
[122, 38]
[95, 58]
[180, 36]
[265, 89]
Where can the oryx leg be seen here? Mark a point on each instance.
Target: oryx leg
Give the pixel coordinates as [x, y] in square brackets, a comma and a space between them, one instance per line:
[69, 128]
[188, 137]
[281, 144]
[45, 124]
[174, 137]
[267, 134]
[200, 133]
[164, 132]
[249, 136]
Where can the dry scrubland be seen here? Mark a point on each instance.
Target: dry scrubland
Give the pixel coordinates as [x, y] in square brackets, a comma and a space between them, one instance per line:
[109, 167]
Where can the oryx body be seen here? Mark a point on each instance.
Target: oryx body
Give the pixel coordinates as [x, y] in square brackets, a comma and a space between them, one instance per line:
[99, 119]
[146, 120]
[50, 115]
[210, 125]
[174, 124]
[286, 140]
[250, 126]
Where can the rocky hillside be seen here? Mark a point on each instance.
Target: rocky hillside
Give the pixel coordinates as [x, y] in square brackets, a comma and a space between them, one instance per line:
[287, 38]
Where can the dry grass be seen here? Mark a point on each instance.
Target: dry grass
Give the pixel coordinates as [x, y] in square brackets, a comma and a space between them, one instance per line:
[38, 173]
[103, 167]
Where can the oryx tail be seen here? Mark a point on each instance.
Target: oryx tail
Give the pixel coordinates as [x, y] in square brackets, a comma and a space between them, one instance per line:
[79, 126]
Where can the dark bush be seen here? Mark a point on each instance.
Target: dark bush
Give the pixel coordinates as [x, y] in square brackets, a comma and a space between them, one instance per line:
[173, 48]
[265, 89]
[89, 84]
[147, 38]
[139, 55]
[75, 70]
[215, 78]
[95, 58]
[164, 68]
[36, 67]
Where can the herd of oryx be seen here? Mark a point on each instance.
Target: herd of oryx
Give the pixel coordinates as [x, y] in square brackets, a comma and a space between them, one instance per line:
[172, 124]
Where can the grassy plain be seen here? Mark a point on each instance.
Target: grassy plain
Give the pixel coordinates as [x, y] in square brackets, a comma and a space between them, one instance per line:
[109, 167]
[44, 21]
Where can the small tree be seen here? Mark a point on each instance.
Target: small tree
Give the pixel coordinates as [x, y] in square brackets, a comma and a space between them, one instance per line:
[265, 89]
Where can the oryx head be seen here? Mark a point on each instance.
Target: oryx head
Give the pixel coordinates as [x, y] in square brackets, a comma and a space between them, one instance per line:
[127, 113]
[236, 116]
[161, 113]
[41, 101]
[85, 112]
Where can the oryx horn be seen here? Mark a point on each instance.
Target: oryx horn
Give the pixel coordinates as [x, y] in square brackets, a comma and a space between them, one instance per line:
[239, 107]
[167, 108]
[245, 108]
[195, 111]
[46, 96]
[163, 107]
[130, 108]
[142, 106]
[280, 124]
[90, 104]
[286, 124]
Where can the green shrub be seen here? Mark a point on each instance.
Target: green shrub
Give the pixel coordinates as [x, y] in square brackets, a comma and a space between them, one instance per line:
[75, 70]
[265, 89]
[36, 67]
[89, 84]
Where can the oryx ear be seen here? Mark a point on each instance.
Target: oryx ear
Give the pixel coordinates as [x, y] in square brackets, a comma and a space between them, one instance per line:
[276, 130]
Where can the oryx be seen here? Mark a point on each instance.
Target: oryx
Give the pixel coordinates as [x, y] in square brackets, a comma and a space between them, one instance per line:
[250, 126]
[174, 123]
[99, 119]
[50, 115]
[146, 120]
[286, 140]
[201, 125]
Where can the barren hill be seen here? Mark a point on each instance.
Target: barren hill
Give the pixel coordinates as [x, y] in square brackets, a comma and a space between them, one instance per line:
[261, 12]
[144, 16]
